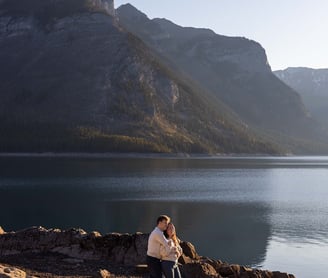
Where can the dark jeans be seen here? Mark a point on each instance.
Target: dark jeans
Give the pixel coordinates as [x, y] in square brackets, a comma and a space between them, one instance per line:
[170, 269]
[154, 266]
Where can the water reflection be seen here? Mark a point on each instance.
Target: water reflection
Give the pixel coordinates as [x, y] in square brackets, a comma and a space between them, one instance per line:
[230, 232]
[233, 232]
[299, 204]
[50, 205]
[303, 259]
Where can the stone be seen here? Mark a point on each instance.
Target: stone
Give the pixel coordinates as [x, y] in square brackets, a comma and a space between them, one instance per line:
[235, 268]
[142, 269]
[245, 269]
[216, 265]
[137, 249]
[225, 270]
[185, 259]
[199, 270]
[120, 249]
[189, 250]
[103, 273]
[8, 272]
[73, 261]
[94, 234]
[277, 274]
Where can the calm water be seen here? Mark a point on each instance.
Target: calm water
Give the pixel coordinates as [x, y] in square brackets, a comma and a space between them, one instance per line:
[264, 212]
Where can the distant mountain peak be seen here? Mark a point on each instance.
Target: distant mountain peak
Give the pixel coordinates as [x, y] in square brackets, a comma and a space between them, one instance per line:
[131, 10]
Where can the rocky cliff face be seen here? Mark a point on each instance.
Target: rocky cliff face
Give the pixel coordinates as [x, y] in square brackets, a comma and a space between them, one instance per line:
[312, 85]
[122, 250]
[195, 43]
[233, 69]
[107, 5]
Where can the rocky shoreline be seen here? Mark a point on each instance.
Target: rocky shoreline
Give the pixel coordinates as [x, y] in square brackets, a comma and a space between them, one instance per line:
[40, 252]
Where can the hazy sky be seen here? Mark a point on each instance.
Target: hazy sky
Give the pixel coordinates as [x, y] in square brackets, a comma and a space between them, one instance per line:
[293, 32]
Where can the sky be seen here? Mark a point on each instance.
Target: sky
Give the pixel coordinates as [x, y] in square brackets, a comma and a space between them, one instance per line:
[294, 33]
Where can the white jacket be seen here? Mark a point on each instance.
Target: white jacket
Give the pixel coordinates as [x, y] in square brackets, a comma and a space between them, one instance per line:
[173, 254]
[157, 242]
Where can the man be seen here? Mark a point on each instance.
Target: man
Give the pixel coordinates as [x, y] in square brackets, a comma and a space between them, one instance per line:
[155, 241]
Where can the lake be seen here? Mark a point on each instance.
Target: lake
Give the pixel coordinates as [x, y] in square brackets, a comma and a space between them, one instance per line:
[266, 212]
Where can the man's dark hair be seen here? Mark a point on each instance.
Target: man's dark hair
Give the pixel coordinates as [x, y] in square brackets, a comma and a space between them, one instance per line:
[163, 217]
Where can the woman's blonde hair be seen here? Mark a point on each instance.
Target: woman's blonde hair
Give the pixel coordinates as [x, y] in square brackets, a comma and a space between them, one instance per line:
[174, 235]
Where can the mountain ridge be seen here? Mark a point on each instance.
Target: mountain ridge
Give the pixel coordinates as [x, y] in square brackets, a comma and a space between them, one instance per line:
[85, 84]
[219, 63]
[312, 85]
[235, 70]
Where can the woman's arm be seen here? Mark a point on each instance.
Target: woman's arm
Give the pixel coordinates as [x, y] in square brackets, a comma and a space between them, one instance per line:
[179, 250]
[166, 246]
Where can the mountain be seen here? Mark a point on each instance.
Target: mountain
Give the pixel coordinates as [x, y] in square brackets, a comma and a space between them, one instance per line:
[72, 79]
[312, 85]
[234, 70]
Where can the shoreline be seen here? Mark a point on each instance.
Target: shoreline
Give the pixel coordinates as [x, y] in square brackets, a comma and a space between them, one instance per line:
[149, 155]
[75, 253]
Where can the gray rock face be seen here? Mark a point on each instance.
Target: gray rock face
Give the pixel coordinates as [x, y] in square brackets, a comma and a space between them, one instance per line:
[76, 243]
[194, 43]
[107, 5]
[69, 73]
[312, 85]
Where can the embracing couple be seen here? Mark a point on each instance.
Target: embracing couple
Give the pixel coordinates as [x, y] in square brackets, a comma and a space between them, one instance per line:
[163, 250]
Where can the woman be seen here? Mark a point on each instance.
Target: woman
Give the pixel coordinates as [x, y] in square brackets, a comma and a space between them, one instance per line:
[170, 266]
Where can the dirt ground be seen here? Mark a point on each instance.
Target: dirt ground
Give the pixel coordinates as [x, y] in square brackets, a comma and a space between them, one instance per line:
[52, 265]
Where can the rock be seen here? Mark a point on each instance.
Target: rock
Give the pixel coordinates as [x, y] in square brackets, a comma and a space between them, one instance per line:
[73, 261]
[215, 264]
[267, 274]
[11, 272]
[199, 270]
[236, 268]
[103, 273]
[142, 269]
[189, 250]
[225, 270]
[128, 251]
[106, 5]
[245, 269]
[277, 274]
[185, 259]
[137, 251]
[94, 234]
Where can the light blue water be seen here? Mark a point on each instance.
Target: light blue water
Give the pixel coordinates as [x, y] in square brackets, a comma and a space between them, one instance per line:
[265, 212]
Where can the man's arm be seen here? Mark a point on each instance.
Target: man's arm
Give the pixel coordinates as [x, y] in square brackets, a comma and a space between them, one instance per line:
[166, 247]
